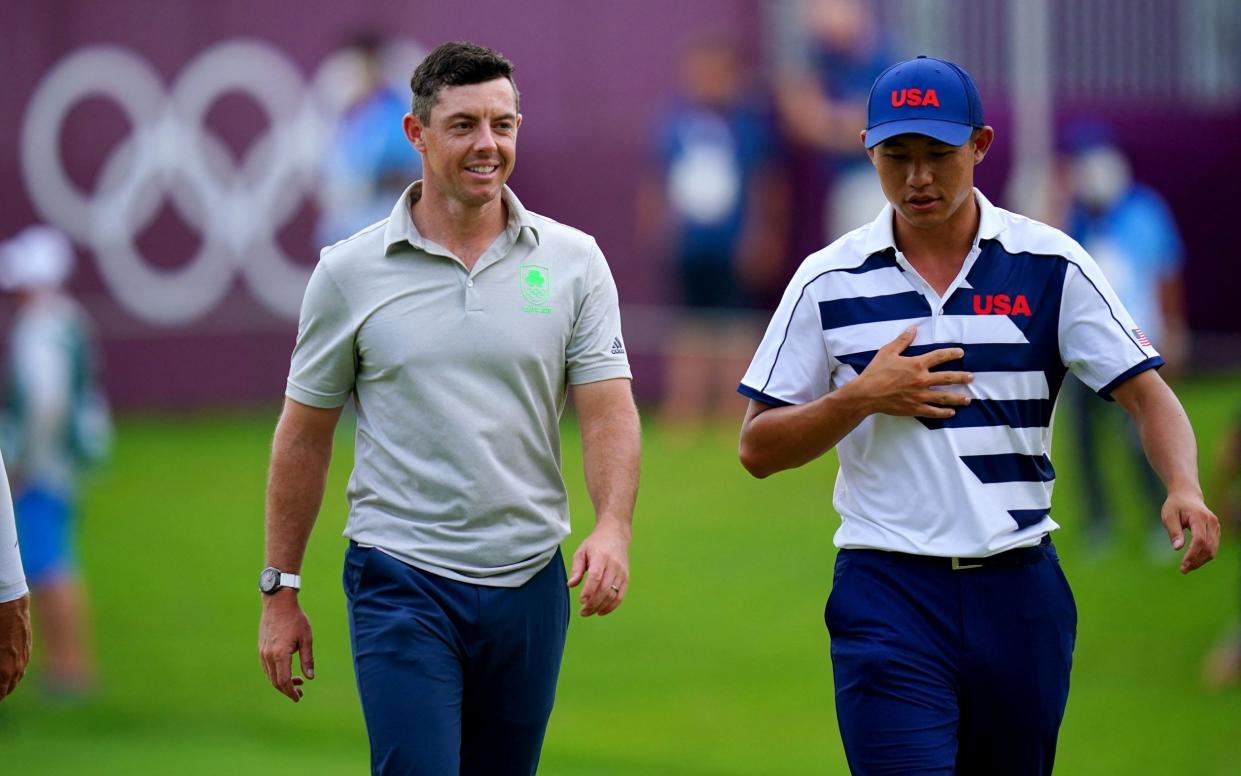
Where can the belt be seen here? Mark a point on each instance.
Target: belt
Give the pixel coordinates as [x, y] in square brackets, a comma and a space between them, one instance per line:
[1020, 556]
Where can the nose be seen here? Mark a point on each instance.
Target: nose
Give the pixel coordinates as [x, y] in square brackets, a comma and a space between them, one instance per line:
[484, 139]
[920, 174]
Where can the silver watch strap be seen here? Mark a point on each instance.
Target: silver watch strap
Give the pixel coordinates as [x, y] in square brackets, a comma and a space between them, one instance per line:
[291, 580]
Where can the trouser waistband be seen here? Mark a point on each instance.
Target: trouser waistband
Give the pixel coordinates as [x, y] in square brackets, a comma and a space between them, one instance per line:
[1019, 556]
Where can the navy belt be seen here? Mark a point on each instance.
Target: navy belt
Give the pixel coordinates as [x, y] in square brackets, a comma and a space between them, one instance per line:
[1020, 556]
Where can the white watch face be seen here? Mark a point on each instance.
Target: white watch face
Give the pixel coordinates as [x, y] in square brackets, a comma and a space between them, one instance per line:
[269, 580]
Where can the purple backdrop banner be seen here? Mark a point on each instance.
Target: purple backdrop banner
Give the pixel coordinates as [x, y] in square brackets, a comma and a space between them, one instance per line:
[174, 143]
[178, 143]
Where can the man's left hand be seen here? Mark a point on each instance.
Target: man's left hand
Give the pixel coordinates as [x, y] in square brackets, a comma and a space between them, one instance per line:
[1182, 511]
[603, 561]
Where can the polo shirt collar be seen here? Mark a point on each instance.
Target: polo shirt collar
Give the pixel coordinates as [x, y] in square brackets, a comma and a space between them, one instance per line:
[881, 236]
[401, 229]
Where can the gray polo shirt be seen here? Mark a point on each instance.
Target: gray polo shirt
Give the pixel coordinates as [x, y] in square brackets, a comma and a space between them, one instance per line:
[459, 379]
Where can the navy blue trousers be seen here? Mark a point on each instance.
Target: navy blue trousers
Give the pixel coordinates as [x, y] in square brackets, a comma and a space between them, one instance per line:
[938, 671]
[455, 678]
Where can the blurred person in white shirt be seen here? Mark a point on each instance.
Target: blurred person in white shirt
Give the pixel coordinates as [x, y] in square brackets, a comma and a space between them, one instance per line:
[55, 423]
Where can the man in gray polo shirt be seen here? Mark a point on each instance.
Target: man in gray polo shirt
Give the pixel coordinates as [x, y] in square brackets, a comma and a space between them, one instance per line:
[456, 325]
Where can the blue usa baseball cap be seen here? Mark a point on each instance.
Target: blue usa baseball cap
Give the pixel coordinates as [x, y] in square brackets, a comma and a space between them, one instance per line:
[923, 96]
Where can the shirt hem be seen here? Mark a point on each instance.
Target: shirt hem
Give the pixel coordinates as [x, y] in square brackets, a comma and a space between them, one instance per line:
[508, 579]
[1154, 362]
[12, 593]
[600, 374]
[322, 401]
[756, 395]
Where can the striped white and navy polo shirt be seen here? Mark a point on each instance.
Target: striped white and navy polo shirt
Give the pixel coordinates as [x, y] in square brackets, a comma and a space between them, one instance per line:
[1028, 305]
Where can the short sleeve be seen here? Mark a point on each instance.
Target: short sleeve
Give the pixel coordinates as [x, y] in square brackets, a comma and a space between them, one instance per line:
[792, 365]
[324, 364]
[1099, 341]
[12, 578]
[596, 347]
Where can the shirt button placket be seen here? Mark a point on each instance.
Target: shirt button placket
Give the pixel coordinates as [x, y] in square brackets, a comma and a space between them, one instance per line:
[472, 301]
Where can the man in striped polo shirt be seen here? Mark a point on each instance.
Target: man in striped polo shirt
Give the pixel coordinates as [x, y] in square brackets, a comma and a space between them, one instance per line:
[928, 347]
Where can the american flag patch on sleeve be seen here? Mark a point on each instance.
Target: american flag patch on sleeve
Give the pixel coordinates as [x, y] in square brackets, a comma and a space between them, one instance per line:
[1143, 340]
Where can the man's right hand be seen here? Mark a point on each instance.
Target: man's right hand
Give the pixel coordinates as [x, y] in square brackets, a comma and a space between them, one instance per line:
[283, 630]
[14, 642]
[905, 385]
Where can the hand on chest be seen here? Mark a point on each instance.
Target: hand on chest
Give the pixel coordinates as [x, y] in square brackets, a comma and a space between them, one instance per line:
[1003, 313]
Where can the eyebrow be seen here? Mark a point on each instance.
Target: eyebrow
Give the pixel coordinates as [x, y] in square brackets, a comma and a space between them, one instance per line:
[474, 116]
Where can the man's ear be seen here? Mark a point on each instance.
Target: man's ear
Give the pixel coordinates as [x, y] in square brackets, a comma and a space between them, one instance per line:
[982, 143]
[870, 152]
[414, 132]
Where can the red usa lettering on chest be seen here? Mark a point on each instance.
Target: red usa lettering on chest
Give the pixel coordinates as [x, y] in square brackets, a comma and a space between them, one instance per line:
[914, 97]
[1001, 304]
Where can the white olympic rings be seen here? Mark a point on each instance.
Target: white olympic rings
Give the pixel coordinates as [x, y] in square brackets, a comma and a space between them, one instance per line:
[237, 208]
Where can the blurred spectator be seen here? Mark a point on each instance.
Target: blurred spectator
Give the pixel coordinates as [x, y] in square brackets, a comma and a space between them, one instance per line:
[1223, 664]
[55, 422]
[823, 105]
[369, 162]
[717, 208]
[1127, 228]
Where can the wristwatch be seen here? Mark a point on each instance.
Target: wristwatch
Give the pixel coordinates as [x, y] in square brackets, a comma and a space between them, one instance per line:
[273, 579]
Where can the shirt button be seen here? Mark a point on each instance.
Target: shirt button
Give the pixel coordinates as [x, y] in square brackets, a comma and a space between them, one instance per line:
[470, 283]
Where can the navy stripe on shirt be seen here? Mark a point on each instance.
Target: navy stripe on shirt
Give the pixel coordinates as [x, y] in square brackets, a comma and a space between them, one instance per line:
[872, 309]
[1014, 413]
[979, 357]
[1010, 467]
[1028, 517]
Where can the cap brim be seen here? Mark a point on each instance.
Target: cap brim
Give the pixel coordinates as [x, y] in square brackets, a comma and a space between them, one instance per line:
[949, 132]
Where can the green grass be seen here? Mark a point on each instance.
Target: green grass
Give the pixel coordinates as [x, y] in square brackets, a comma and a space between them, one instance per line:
[716, 664]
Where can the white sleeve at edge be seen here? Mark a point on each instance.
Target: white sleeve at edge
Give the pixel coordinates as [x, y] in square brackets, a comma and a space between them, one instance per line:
[12, 578]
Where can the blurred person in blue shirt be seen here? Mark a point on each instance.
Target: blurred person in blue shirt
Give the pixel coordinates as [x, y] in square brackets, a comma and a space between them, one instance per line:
[823, 104]
[1129, 230]
[717, 209]
[369, 162]
[55, 422]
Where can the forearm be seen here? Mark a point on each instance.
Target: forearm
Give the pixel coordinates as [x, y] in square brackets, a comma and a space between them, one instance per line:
[1166, 434]
[788, 437]
[610, 453]
[297, 479]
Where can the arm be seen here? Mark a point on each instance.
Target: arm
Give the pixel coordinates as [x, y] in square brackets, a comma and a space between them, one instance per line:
[814, 120]
[300, 454]
[777, 438]
[610, 447]
[1168, 440]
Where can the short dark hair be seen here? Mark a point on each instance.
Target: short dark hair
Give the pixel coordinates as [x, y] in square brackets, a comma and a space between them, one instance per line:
[458, 63]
